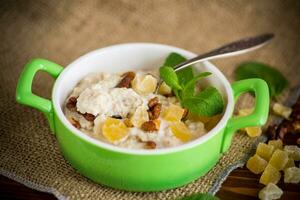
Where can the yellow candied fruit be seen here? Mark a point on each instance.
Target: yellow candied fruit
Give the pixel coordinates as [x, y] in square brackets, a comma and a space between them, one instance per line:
[290, 163]
[139, 116]
[181, 131]
[114, 129]
[279, 159]
[271, 191]
[164, 89]
[265, 151]
[253, 131]
[270, 175]
[173, 113]
[292, 175]
[144, 84]
[256, 164]
[276, 143]
[282, 110]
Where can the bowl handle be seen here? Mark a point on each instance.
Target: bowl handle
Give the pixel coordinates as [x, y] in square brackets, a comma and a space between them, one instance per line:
[260, 113]
[24, 94]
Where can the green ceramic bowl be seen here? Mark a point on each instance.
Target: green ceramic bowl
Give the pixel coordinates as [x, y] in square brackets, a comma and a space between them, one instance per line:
[138, 170]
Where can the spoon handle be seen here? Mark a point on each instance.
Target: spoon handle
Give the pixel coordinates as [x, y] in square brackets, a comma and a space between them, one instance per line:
[231, 49]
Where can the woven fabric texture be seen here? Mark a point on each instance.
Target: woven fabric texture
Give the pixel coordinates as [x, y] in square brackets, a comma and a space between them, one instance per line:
[61, 31]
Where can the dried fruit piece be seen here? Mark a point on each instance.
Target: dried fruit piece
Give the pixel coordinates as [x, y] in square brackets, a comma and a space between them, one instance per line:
[157, 123]
[279, 159]
[144, 84]
[282, 110]
[153, 102]
[75, 123]
[149, 126]
[71, 104]
[126, 80]
[256, 164]
[173, 113]
[181, 131]
[89, 117]
[164, 89]
[150, 145]
[128, 123]
[139, 116]
[292, 175]
[265, 151]
[293, 151]
[114, 129]
[271, 191]
[270, 175]
[253, 131]
[290, 163]
[276, 143]
[154, 112]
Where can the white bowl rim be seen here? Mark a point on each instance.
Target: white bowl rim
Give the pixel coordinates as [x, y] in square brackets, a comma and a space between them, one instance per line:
[222, 123]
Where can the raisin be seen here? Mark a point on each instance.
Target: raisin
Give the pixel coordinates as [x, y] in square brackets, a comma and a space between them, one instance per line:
[149, 126]
[75, 123]
[89, 117]
[155, 112]
[71, 104]
[150, 145]
[153, 102]
[126, 80]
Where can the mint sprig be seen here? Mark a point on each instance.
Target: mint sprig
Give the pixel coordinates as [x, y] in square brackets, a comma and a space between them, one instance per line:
[207, 102]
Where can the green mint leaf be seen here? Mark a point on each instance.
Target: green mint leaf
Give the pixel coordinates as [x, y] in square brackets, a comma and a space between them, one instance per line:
[189, 88]
[200, 196]
[184, 75]
[275, 80]
[208, 102]
[169, 76]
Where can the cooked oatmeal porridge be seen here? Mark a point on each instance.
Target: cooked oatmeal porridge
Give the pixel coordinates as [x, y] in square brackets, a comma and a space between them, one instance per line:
[122, 109]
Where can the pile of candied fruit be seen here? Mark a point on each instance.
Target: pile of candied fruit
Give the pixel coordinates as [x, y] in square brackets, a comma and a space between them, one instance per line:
[275, 159]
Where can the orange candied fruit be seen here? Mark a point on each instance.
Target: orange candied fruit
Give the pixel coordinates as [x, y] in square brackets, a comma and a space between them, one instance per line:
[181, 131]
[173, 113]
[256, 164]
[114, 129]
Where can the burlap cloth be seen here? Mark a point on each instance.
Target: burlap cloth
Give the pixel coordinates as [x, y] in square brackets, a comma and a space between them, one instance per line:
[63, 30]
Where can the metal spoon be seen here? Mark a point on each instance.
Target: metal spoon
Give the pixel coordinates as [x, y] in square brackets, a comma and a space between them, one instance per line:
[232, 49]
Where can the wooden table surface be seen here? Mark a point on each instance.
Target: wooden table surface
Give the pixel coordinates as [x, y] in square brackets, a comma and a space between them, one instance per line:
[241, 184]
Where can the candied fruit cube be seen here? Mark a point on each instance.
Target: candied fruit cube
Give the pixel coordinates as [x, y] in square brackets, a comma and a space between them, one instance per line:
[271, 191]
[265, 151]
[293, 151]
[279, 159]
[282, 110]
[270, 175]
[173, 113]
[181, 131]
[276, 143]
[292, 175]
[164, 89]
[290, 163]
[253, 131]
[256, 164]
[144, 84]
[114, 129]
[139, 116]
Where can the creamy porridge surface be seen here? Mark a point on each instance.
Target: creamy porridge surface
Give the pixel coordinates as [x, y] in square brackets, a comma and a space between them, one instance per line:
[122, 109]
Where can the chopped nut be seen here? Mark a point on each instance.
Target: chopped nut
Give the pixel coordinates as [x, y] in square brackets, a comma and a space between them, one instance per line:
[126, 80]
[71, 104]
[75, 123]
[128, 123]
[153, 102]
[282, 110]
[164, 89]
[150, 145]
[89, 117]
[149, 126]
[185, 114]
